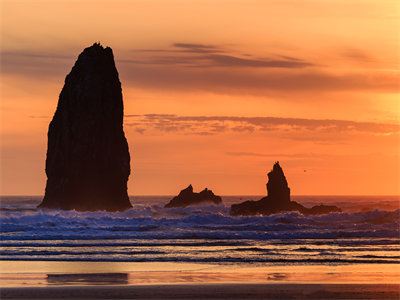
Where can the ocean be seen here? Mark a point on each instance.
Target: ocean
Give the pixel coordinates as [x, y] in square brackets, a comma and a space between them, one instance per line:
[366, 232]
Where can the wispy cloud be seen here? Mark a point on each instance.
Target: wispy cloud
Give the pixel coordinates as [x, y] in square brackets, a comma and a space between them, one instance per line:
[252, 83]
[216, 68]
[206, 56]
[356, 54]
[292, 128]
[195, 67]
[198, 48]
[35, 65]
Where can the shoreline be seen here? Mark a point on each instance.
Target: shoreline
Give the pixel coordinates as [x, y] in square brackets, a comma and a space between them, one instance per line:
[209, 291]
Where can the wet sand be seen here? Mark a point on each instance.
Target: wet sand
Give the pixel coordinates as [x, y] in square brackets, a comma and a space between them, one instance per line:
[209, 291]
[55, 273]
[112, 280]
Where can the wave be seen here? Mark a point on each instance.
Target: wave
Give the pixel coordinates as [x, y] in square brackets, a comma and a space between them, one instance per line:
[210, 222]
[198, 234]
[206, 260]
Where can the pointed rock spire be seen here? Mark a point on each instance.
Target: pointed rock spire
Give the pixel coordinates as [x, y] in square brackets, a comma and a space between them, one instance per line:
[277, 186]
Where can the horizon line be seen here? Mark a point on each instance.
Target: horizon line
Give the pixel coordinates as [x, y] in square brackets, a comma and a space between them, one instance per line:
[240, 195]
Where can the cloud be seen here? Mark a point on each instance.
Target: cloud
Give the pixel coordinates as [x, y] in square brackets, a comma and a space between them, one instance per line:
[36, 65]
[212, 68]
[256, 83]
[190, 67]
[356, 54]
[198, 48]
[183, 48]
[290, 128]
[210, 56]
[231, 61]
[30, 54]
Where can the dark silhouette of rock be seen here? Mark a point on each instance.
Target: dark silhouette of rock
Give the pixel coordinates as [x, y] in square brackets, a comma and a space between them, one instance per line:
[322, 209]
[186, 198]
[277, 187]
[88, 162]
[277, 200]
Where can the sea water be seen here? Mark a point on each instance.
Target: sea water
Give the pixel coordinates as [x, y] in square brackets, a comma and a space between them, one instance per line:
[367, 231]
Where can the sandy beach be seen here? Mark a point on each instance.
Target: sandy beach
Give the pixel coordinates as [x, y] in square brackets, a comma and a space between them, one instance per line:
[112, 280]
[209, 291]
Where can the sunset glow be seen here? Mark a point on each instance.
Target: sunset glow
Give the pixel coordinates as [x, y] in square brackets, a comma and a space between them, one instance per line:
[216, 92]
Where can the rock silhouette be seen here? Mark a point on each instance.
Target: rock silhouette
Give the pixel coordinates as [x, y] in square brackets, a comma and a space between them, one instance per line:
[88, 162]
[278, 199]
[187, 197]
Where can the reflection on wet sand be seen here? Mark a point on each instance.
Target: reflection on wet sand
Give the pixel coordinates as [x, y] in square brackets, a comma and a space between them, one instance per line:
[24, 274]
[162, 277]
[277, 276]
[88, 279]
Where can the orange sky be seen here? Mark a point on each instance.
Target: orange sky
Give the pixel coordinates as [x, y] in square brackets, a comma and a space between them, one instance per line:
[216, 91]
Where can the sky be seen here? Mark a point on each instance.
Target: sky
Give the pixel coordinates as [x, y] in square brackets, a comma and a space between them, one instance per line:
[216, 91]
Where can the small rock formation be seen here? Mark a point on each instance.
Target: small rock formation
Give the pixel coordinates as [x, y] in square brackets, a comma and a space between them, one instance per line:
[88, 162]
[186, 198]
[277, 187]
[278, 199]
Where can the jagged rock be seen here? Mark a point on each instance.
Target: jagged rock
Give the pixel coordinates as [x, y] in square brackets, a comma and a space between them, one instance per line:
[88, 162]
[278, 199]
[322, 209]
[186, 198]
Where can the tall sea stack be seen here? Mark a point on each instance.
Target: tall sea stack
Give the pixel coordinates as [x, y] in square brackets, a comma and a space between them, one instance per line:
[88, 162]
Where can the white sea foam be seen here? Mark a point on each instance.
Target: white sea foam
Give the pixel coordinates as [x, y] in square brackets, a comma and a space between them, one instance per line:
[197, 234]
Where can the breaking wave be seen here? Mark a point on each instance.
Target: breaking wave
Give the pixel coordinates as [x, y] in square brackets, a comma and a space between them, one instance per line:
[198, 234]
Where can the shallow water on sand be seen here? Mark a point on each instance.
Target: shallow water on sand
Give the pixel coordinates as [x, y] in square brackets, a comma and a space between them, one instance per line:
[39, 273]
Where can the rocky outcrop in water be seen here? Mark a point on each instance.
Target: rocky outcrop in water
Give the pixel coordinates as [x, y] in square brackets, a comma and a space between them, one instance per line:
[88, 162]
[187, 197]
[278, 199]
